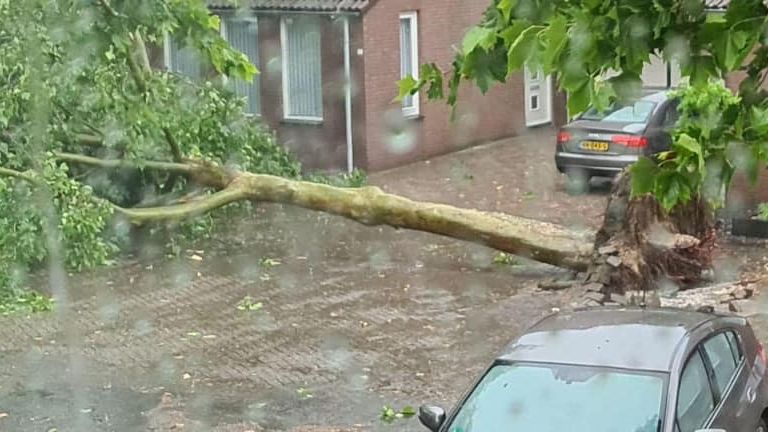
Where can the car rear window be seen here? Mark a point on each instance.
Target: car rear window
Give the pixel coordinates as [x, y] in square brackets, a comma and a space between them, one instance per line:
[638, 112]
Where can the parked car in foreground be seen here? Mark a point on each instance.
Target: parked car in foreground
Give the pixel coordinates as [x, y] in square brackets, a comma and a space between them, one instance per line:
[620, 370]
[604, 143]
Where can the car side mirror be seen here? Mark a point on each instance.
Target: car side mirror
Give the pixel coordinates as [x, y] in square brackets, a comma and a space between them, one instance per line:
[432, 417]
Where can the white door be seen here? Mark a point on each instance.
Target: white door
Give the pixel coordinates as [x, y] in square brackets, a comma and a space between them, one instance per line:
[538, 98]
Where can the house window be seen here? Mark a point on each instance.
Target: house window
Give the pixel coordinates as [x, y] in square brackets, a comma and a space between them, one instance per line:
[182, 59]
[242, 34]
[409, 58]
[534, 102]
[302, 78]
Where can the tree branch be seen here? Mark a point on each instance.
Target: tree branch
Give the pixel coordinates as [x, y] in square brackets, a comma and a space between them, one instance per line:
[541, 241]
[139, 72]
[89, 140]
[7, 172]
[173, 167]
[141, 216]
[204, 173]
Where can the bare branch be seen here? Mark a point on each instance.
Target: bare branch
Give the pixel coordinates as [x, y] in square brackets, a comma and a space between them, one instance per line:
[108, 7]
[140, 216]
[174, 167]
[204, 173]
[89, 140]
[139, 71]
[7, 172]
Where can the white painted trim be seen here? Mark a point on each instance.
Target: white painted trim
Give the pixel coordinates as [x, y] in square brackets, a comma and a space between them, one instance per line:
[223, 34]
[284, 58]
[550, 105]
[167, 52]
[304, 118]
[413, 16]
[348, 97]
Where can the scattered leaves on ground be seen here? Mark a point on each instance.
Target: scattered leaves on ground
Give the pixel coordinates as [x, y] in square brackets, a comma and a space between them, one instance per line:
[389, 414]
[304, 393]
[248, 303]
[505, 259]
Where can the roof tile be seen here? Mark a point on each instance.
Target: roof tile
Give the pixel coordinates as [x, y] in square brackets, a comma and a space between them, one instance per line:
[295, 5]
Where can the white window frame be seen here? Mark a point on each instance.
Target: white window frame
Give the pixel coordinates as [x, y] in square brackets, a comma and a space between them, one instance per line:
[413, 17]
[286, 93]
[167, 51]
[223, 33]
[167, 59]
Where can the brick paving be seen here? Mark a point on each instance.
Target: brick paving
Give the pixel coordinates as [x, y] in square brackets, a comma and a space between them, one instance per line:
[352, 318]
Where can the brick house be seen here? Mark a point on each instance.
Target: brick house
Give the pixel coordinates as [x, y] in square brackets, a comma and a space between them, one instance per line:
[307, 50]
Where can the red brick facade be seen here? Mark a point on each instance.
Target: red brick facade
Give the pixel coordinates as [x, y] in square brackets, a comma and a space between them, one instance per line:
[441, 26]
[381, 136]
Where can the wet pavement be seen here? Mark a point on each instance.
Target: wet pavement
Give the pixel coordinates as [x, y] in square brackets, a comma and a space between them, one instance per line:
[294, 318]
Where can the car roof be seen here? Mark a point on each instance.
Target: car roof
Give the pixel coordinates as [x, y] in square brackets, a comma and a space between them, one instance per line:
[628, 338]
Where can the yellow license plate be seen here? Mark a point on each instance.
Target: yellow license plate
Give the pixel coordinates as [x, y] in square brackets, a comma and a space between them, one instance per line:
[599, 146]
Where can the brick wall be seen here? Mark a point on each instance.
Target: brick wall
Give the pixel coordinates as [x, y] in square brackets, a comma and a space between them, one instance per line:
[391, 140]
[318, 146]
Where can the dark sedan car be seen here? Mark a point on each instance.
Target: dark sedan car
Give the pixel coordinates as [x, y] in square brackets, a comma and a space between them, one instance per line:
[620, 370]
[604, 143]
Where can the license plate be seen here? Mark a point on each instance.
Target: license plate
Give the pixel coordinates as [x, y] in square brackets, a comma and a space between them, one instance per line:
[598, 146]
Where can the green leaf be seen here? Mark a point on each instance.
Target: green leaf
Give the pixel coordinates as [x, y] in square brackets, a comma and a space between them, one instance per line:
[667, 191]
[214, 22]
[556, 36]
[432, 76]
[513, 31]
[684, 141]
[643, 174]
[522, 49]
[506, 7]
[701, 68]
[485, 68]
[578, 99]
[758, 119]
[483, 37]
[602, 95]
[406, 86]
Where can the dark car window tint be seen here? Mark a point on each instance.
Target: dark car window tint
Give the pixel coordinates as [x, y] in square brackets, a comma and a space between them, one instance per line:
[735, 346]
[694, 399]
[721, 357]
[671, 115]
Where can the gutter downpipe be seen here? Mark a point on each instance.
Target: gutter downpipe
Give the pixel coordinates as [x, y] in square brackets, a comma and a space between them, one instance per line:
[348, 97]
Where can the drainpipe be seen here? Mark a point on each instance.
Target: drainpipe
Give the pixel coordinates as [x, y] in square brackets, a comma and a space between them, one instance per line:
[348, 96]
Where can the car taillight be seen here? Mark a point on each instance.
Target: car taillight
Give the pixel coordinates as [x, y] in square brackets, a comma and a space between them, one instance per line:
[563, 137]
[631, 141]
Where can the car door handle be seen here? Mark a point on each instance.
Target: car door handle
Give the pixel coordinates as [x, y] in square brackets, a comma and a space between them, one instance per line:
[751, 394]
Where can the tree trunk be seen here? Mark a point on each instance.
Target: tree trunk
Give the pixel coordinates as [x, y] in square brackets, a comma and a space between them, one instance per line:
[638, 248]
[540, 241]
[641, 247]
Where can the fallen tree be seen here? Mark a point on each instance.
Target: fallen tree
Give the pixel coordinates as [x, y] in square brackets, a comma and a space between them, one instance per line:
[101, 136]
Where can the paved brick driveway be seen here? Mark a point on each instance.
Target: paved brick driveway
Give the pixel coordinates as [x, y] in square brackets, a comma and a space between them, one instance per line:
[352, 318]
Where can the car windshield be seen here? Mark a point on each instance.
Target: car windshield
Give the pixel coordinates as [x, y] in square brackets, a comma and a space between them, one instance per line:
[638, 112]
[555, 398]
